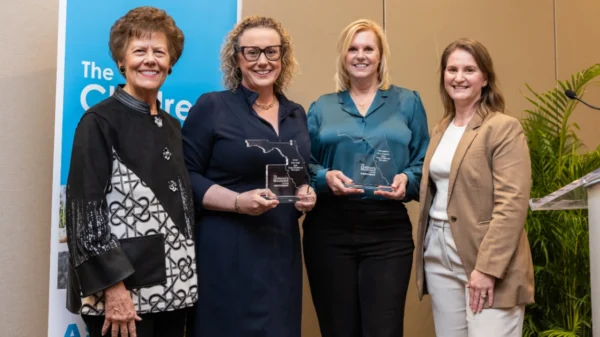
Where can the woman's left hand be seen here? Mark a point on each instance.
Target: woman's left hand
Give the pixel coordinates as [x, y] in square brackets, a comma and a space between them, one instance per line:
[481, 287]
[308, 198]
[398, 188]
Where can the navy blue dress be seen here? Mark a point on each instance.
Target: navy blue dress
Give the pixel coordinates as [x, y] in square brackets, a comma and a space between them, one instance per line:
[249, 267]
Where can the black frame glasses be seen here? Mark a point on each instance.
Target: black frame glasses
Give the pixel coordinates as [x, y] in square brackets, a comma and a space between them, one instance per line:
[242, 49]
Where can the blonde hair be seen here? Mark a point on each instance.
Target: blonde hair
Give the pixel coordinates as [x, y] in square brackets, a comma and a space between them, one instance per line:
[342, 78]
[491, 96]
[232, 75]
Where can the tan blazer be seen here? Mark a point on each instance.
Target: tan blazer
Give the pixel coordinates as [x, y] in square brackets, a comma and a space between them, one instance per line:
[488, 193]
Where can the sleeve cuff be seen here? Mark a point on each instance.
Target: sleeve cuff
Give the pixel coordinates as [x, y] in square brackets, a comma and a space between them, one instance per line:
[412, 187]
[103, 271]
[321, 182]
[490, 268]
[200, 185]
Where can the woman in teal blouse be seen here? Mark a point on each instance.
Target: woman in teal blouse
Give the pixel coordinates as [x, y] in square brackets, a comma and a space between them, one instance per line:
[368, 141]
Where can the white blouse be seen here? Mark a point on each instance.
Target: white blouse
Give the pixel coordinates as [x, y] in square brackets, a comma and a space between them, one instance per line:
[439, 169]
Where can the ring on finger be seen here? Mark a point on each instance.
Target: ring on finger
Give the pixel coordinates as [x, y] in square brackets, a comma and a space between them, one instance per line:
[484, 295]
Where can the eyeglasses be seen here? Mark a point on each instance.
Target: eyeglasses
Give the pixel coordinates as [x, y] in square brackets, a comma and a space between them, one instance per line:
[252, 54]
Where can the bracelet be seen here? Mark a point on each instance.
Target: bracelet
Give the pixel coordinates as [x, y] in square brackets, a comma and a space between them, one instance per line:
[237, 205]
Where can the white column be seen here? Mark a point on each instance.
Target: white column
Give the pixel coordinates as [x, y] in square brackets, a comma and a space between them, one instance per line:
[593, 192]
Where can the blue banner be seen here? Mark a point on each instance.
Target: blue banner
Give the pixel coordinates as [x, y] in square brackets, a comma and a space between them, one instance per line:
[91, 75]
[87, 74]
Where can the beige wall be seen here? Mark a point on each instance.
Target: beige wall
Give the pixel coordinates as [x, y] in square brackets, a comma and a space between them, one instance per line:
[578, 47]
[28, 31]
[519, 35]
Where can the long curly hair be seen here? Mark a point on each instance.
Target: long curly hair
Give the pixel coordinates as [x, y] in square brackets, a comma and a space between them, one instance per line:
[232, 75]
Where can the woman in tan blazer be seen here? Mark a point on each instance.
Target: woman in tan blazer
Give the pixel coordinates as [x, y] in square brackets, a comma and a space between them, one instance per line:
[472, 253]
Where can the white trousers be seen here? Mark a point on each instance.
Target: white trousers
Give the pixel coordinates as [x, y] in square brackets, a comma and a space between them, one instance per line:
[446, 283]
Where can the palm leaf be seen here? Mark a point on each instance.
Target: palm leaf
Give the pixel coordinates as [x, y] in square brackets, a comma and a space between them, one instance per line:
[559, 240]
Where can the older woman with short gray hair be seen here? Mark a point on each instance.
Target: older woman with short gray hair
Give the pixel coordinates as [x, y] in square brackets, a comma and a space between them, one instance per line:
[128, 201]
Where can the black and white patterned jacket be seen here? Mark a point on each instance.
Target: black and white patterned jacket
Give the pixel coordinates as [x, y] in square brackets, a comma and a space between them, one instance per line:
[129, 209]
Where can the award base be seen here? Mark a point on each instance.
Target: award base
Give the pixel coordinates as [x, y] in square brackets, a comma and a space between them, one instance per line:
[283, 199]
[287, 199]
[370, 187]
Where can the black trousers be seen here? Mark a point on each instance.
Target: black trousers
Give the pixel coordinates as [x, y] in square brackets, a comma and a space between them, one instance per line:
[358, 258]
[162, 324]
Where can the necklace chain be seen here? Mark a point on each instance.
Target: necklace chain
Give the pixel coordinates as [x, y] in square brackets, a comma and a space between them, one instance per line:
[266, 106]
[363, 103]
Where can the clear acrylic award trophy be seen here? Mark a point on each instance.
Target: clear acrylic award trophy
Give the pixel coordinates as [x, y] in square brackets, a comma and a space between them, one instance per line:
[373, 167]
[283, 180]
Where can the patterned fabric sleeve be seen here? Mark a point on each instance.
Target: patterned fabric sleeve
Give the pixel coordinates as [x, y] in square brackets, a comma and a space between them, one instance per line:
[95, 253]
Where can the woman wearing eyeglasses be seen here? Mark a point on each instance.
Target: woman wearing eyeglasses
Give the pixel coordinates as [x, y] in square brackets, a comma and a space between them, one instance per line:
[248, 243]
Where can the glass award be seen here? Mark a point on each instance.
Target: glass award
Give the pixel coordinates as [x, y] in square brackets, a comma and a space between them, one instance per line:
[373, 165]
[285, 179]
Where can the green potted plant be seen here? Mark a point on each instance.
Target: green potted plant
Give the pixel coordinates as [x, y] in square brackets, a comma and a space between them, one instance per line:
[559, 239]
